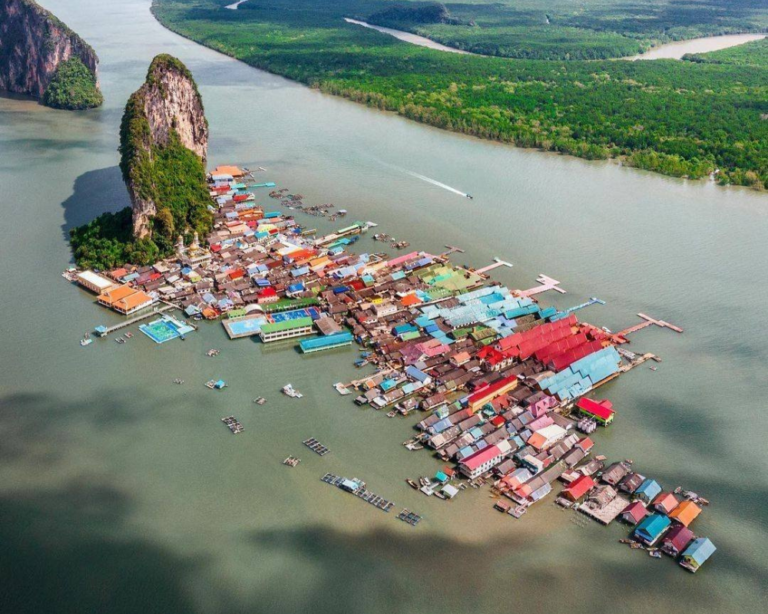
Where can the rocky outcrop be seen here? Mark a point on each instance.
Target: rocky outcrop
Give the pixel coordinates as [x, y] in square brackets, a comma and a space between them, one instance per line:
[164, 145]
[33, 43]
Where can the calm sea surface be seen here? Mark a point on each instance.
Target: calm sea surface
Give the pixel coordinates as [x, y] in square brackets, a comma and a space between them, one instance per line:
[121, 492]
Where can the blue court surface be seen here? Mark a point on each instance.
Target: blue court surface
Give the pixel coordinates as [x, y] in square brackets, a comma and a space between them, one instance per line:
[286, 316]
[165, 329]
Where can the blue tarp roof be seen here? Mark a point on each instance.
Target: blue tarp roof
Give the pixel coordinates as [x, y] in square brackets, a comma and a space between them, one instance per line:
[416, 374]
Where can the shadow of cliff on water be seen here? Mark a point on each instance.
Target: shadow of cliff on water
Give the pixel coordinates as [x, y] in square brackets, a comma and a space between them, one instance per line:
[94, 193]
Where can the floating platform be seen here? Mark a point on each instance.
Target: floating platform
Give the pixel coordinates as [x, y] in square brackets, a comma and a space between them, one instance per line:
[166, 328]
[409, 517]
[357, 488]
[314, 445]
[233, 425]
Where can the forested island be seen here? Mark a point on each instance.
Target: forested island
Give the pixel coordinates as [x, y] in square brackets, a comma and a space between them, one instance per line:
[163, 148]
[681, 118]
[43, 58]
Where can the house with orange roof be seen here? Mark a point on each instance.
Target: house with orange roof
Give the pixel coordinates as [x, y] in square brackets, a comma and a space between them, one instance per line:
[409, 300]
[125, 299]
[685, 513]
[228, 170]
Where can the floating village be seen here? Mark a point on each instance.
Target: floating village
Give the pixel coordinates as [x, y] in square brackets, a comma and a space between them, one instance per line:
[507, 389]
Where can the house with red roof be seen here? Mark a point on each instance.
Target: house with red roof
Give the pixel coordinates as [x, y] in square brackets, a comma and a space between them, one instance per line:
[600, 411]
[482, 461]
[634, 512]
[676, 540]
[578, 488]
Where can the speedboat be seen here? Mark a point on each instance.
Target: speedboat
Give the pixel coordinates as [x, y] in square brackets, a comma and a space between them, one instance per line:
[289, 390]
[86, 341]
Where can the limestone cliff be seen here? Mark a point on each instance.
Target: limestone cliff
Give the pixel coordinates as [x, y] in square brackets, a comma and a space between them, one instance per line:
[33, 44]
[163, 146]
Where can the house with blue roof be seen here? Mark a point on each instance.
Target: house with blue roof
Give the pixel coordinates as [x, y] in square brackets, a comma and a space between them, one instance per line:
[648, 490]
[697, 553]
[652, 528]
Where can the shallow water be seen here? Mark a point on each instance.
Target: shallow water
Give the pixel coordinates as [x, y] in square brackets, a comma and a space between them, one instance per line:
[122, 492]
[408, 37]
[676, 50]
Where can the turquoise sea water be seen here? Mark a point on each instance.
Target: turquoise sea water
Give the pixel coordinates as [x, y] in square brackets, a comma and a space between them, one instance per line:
[122, 492]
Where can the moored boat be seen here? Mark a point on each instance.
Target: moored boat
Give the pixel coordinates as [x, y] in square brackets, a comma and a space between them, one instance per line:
[290, 391]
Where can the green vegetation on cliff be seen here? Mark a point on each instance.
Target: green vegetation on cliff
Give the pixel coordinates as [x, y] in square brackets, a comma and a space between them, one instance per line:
[168, 175]
[73, 87]
[107, 242]
[675, 117]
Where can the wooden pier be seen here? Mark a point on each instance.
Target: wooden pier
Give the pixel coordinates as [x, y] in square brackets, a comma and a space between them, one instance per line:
[103, 331]
[497, 262]
[621, 336]
[547, 283]
[452, 249]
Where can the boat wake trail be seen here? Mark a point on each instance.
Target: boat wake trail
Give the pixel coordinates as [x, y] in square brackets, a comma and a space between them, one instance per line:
[420, 177]
[437, 183]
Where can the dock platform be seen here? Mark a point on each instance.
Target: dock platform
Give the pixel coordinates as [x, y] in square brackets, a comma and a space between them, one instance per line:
[606, 514]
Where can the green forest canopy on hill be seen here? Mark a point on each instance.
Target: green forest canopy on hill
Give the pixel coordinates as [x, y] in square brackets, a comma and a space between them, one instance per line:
[676, 117]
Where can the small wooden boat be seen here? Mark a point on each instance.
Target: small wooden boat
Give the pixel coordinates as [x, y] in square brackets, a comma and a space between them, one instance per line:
[260, 401]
